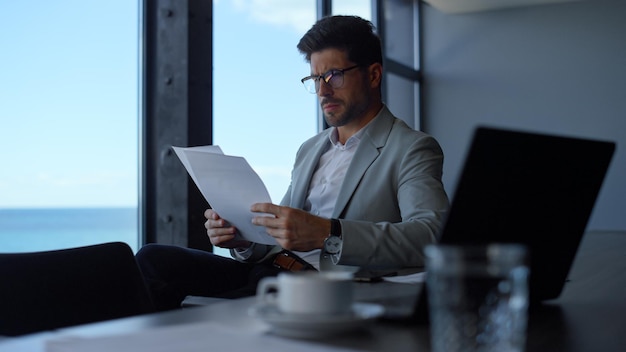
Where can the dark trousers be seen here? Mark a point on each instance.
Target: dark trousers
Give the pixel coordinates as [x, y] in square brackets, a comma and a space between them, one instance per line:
[172, 273]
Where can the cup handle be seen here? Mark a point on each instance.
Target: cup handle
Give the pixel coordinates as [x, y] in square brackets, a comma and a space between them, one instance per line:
[266, 291]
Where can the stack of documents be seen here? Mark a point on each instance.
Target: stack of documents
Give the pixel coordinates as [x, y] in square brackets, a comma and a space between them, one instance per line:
[230, 186]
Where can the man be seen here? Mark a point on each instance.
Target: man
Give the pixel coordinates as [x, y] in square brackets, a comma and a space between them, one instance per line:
[365, 194]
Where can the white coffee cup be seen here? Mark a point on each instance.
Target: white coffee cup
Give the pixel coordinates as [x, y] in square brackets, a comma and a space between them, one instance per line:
[308, 292]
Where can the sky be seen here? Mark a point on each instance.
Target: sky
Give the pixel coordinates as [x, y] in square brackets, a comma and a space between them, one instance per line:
[69, 98]
[68, 103]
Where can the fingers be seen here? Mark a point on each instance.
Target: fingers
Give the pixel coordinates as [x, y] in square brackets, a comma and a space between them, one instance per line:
[221, 235]
[269, 221]
[226, 237]
[217, 229]
[213, 220]
[211, 214]
[267, 208]
[296, 229]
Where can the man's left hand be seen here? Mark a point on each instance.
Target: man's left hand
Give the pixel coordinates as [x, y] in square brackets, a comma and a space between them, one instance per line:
[293, 229]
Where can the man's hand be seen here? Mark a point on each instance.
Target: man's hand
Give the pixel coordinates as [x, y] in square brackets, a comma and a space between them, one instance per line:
[294, 229]
[220, 233]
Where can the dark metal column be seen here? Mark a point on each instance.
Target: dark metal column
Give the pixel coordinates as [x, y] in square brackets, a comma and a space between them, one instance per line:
[176, 110]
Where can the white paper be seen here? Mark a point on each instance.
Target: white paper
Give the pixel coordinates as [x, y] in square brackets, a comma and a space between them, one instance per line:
[199, 337]
[230, 185]
[408, 279]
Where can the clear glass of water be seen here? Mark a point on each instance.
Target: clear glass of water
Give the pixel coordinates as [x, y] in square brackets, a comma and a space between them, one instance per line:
[477, 297]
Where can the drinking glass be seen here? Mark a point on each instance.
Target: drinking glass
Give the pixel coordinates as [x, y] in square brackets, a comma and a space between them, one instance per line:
[477, 297]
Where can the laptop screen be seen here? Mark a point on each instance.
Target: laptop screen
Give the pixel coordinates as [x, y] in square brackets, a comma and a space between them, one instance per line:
[529, 188]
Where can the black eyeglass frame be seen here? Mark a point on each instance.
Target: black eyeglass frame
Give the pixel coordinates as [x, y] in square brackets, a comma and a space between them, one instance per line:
[327, 76]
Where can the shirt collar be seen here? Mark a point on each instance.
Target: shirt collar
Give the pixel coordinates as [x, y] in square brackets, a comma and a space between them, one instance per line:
[352, 141]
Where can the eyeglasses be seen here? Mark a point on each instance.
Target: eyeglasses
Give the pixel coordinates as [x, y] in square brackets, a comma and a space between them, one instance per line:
[332, 77]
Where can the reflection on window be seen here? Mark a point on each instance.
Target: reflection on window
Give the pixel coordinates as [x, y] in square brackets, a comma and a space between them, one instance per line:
[69, 115]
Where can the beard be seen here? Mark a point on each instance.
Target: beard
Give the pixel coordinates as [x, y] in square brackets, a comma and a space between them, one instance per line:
[351, 112]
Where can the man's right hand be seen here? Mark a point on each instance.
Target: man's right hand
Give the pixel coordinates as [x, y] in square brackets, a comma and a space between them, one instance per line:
[220, 233]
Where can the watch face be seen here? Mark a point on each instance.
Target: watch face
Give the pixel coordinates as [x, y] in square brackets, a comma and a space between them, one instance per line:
[333, 244]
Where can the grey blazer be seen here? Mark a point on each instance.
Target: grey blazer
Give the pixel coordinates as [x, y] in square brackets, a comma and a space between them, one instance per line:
[392, 202]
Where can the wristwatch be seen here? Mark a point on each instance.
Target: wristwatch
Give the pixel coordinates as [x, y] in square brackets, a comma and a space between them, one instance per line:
[334, 242]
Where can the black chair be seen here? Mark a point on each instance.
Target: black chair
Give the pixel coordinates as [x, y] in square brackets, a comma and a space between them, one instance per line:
[54, 289]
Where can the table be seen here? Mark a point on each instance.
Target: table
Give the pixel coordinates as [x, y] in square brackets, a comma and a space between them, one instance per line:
[590, 315]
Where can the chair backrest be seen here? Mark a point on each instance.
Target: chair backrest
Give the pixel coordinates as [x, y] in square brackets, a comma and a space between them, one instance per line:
[54, 289]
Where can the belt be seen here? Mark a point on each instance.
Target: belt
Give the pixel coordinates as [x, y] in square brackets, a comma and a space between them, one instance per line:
[287, 260]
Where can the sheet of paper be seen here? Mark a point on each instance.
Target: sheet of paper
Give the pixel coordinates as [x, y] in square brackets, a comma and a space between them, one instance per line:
[407, 279]
[230, 185]
[200, 337]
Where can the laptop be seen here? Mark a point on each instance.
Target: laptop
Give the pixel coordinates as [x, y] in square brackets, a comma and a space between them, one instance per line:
[529, 188]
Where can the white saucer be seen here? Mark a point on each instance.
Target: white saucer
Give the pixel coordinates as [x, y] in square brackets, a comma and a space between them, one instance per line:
[315, 326]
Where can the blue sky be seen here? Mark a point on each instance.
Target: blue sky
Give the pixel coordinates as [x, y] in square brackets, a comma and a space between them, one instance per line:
[68, 103]
[69, 98]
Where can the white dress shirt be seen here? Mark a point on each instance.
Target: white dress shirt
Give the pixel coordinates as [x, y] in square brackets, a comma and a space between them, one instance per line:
[326, 183]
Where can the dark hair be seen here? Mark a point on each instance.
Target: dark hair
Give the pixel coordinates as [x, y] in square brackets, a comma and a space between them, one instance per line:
[352, 34]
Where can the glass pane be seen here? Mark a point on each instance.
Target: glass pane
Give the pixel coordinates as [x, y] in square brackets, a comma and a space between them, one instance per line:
[401, 26]
[69, 123]
[402, 95]
[361, 8]
[261, 111]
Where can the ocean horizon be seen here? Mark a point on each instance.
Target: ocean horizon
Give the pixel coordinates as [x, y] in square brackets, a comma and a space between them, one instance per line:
[41, 229]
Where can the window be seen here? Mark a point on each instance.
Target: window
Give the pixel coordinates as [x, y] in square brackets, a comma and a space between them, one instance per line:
[359, 8]
[261, 111]
[399, 23]
[69, 123]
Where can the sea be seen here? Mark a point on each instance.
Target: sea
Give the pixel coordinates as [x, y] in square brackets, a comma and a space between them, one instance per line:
[41, 229]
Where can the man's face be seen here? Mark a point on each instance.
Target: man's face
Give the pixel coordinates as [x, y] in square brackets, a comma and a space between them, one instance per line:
[347, 104]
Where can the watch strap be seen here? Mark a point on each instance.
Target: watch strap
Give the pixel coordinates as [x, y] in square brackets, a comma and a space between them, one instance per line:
[335, 228]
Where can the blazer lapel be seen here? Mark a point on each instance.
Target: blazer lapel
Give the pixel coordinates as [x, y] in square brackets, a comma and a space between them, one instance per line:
[372, 141]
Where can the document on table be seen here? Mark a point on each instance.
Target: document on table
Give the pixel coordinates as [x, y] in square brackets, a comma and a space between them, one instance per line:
[230, 185]
[193, 337]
